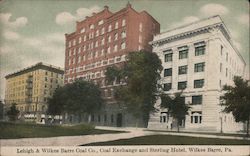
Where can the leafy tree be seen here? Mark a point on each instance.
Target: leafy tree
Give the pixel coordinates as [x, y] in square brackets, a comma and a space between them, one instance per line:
[56, 104]
[141, 72]
[237, 100]
[12, 113]
[76, 98]
[176, 106]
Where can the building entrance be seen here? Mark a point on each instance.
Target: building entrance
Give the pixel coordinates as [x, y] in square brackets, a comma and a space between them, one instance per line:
[119, 120]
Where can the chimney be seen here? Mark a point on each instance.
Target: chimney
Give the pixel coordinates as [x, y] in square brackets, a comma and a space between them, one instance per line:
[106, 7]
[128, 5]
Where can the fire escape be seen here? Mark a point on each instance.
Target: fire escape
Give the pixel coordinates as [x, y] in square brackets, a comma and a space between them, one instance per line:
[29, 86]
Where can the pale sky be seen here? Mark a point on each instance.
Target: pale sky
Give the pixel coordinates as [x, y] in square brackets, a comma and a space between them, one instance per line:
[33, 31]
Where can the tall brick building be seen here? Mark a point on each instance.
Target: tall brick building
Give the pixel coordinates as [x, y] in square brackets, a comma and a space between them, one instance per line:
[102, 40]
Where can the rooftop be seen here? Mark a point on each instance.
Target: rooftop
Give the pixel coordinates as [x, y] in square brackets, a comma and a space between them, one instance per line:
[39, 65]
[196, 26]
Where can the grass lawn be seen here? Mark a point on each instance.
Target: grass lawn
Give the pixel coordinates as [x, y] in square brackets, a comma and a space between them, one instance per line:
[171, 140]
[27, 130]
[206, 133]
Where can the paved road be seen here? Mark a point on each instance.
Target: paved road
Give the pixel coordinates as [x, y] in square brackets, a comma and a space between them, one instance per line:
[86, 139]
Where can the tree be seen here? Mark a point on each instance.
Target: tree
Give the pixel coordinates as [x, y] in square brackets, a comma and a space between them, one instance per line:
[13, 112]
[237, 100]
[176, 106]
[76, 98]
[141, 72]
[56, 104]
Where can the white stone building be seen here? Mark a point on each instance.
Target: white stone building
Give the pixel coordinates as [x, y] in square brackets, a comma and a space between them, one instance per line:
[200, 58]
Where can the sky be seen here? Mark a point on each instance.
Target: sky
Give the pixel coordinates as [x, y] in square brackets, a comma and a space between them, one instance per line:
[32, 31]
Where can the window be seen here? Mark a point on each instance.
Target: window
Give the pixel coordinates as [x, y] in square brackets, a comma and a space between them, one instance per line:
[97, 33]
[227, 57]
[197, 100]
[108, 50]
[69, 44]
[84, 38]
[99, 118]
[96, 44]
[109, 39]
[116, 25]
[168, 57]
[116, 36]
[199, 67]
[182, 70]
[110, 27]
[82, 30]
[200, 48]
[80, 39]
[103, 31]
[140, 27]
[198, 83]
[167, 86]
[183, 54]
[105, 117]
[221, 50]
[168, 72]
[112, 118]
[220, 67]
[123, 34]
[140, 39]
[123, 45]
[100, 22]
[123, 22]
[115, 48]
[79, 49]
[79, 59]
[103, 41]
[139, 47]
[196, 117]
[92, 26]
[182, 85]
[164, 117]
[226, 72]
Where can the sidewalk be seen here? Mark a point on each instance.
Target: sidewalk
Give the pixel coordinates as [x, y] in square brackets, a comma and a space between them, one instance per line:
[76, 140]
[86, 139]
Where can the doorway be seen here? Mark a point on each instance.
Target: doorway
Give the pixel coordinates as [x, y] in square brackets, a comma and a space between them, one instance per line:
[119, 120]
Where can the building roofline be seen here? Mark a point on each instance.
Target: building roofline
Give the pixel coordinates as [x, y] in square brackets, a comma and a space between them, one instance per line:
[226, 31]
[149, 16]
[39, 65]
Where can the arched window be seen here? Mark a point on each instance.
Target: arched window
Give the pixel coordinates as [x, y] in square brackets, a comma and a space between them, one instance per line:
[196, 117]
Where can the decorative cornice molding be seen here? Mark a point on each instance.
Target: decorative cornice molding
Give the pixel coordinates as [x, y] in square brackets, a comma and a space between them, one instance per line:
[187, 34]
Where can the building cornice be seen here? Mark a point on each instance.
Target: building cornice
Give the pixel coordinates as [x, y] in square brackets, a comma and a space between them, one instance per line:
[37, 66]
[187, 34]
[199, 27]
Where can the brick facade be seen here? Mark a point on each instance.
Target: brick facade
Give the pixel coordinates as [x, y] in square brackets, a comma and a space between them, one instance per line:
[104, 39]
